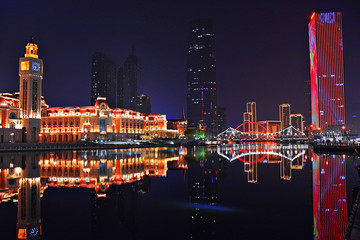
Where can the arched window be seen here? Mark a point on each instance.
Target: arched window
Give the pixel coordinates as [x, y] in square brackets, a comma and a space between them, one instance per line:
[12, 115]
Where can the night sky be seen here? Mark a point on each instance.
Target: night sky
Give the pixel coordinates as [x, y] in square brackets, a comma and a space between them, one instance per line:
[261, 49]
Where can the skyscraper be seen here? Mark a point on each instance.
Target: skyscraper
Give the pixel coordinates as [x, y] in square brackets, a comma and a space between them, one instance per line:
[296, 120]
[103, 74]
[284, 112]
[221, 118]
[201, 75]
[143, 103]
[250, 118]
[127, 83]
[326, 70]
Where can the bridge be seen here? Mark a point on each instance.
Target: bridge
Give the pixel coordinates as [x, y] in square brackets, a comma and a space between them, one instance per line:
[287, 134]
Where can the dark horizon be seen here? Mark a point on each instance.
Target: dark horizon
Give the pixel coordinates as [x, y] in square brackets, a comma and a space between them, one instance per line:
[262, 50]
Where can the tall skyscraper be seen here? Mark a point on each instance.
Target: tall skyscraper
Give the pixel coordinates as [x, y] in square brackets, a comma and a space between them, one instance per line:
[103, 74]
[307, 115]
[201, 75]
[221, 118]
[296, 120]
[284, 112]
[31, 74]
[250, 118]
[143, 103]
[127, 83]
[326, 70]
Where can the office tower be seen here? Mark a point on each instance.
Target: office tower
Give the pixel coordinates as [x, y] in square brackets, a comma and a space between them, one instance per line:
[201, 75]
[284, 112]
[221, 119]
[127, 81]
[296, 120]
[31, 74]
[326, 70]
[143, 103]
[103, 70]
[307, 115]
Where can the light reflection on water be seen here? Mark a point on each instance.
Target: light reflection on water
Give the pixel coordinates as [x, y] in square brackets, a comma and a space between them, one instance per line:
[201, 189]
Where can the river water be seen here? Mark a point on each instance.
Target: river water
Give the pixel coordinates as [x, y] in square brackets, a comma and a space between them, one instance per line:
[247, 191]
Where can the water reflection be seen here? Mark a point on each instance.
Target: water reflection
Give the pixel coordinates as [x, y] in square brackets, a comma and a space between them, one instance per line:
[117, 180]
[24, 177]
[289, 156]
[329, 197]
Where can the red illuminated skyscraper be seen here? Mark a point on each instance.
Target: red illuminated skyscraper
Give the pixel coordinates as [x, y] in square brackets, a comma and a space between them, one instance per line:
[326, 70]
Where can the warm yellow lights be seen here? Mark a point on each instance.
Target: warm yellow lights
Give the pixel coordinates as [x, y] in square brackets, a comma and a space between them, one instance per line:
[24, 66]
[22, 233]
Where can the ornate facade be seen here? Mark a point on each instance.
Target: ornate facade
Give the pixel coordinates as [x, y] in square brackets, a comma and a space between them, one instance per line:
[25, 117]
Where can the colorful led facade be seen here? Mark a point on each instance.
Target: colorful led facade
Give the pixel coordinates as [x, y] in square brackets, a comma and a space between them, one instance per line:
[326, 70]
[329, 197]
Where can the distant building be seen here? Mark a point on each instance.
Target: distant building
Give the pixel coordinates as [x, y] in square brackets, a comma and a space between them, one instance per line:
[103, 75]
[180, 125]
[272, 126]
[326, 70]
[127, 83]
[201, 75]
[221, 119]
[250, 118]
[296, 121]
[284, 115]
[143, 103]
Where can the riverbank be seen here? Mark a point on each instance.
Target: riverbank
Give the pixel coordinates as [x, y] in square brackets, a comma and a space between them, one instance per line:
[26, 147]
[337, 148]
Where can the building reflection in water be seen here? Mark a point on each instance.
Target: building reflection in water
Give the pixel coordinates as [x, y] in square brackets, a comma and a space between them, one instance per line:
[329, 197]
[116, 177]
[288, 156]
[205, 168]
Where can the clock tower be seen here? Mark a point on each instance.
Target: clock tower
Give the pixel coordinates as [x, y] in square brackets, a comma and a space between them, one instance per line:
[31, 74]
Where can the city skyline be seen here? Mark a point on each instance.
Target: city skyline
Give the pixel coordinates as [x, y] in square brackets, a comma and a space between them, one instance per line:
[240, 70]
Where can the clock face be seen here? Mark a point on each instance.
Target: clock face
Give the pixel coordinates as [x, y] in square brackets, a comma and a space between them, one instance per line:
[36, 66]
[34, 231]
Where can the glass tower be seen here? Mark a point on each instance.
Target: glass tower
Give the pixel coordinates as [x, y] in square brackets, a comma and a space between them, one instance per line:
[201, 75]
[326, 70]
[103, 74]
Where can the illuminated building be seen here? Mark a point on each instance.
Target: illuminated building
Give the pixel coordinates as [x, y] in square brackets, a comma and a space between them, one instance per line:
[221, 118]
[127, 82]
[20, 113]
[284, 113]
[69, 124]
[178, 124]
[272, 126]
[31, 74]
[143, 103]
[201, 75]
[103, 74]
[329, 197]
[296, 120]
[250, 117]
[326, 70]
[307, 115]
